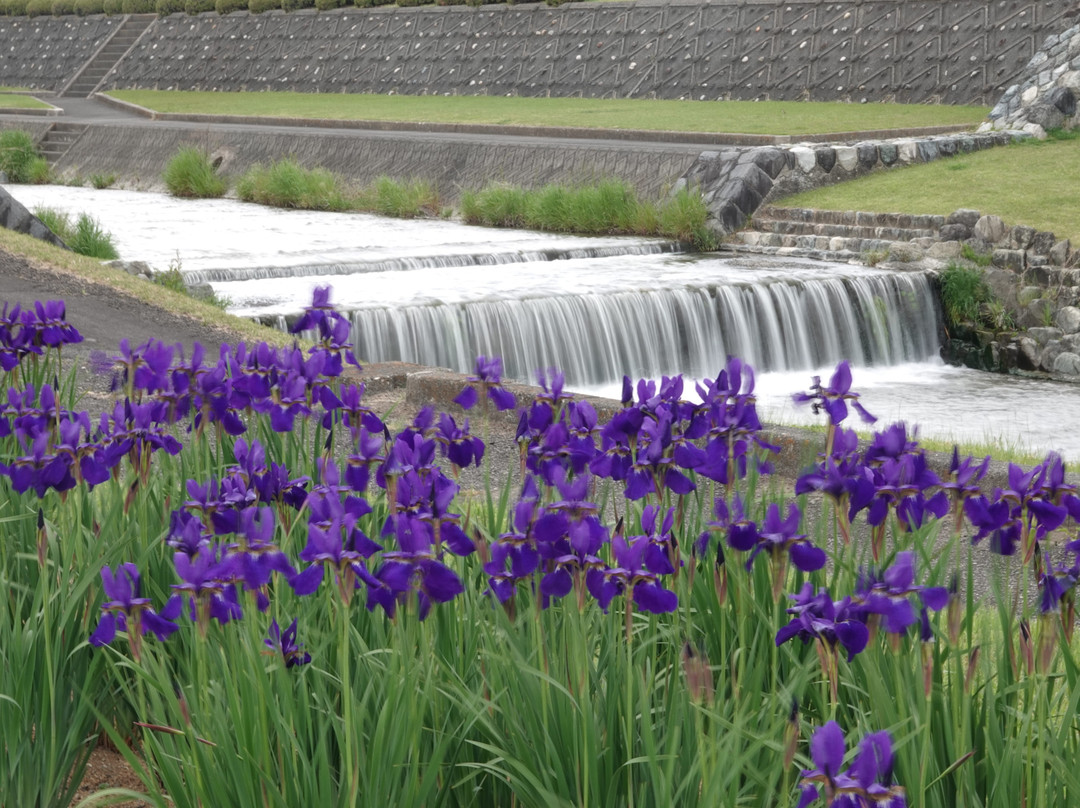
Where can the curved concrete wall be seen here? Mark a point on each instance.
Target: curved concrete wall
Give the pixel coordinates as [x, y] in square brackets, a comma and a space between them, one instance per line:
[953, 51]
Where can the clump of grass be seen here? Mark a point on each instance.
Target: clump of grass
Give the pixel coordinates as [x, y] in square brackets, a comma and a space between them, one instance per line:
[102, 181]
[610, 207]
[19, 157]
[402, 199]
[173, 280]
[287, 184]
[963, 293]
[191, 174]
[85, 236]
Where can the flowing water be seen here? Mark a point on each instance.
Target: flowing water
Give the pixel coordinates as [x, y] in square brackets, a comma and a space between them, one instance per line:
[440, 293]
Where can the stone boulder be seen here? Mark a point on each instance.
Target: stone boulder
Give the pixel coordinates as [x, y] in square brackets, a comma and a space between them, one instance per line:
[965, 216]
[1068, 319]
[991, 229]
[1067, 363]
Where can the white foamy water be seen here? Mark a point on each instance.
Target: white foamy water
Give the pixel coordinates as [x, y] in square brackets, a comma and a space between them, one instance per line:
[446, 292]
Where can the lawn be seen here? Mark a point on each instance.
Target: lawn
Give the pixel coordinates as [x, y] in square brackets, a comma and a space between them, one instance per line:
[743, 117]
[1032, 183]
[12, 101]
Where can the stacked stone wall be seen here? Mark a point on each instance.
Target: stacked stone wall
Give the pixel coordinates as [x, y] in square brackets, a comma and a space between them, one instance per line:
[951, 51]
[1046, 94]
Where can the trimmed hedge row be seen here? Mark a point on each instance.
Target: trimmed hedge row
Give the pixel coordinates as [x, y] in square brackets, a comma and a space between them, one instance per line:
[59, 8]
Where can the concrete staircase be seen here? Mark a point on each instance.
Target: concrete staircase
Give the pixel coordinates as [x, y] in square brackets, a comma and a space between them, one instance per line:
[58, 140]
[837, 235]
[93, 72]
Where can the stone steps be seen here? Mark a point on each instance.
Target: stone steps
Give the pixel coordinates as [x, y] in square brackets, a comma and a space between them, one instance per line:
[58, 139]
[94, 71]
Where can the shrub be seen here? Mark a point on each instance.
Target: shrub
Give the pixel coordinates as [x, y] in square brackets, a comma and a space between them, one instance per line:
[38, 8]
[85, 8]
[137, 6]
[191, 174]
[166, 7]
[62, 7]
[194, 7]
[287, 184]
[112, 7]
[370, 3]
[329, 5]
[405, 200]
[963, 292]
[296, 5]
[406, 3]
[17, 155]
[229, 6]
[260, 6]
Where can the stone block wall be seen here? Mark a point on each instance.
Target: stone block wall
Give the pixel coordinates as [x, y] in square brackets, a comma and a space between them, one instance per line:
[951, 51]
[42, 53]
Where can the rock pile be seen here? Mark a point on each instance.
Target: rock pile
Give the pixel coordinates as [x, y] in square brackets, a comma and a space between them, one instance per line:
[1046, 96]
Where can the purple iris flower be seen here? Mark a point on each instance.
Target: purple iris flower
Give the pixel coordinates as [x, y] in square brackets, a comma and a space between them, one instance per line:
[887, 594]
[206, 582]
[833, 400]
[486, 382]
[867, 783]
[128, 611]
[414, 567]
[630, 573]
[284, 642]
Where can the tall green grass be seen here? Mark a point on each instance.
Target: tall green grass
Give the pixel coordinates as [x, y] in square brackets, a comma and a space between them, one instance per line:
[20, 159]
[84, 236]
[190, 173]
[610, 207]
[287, 184]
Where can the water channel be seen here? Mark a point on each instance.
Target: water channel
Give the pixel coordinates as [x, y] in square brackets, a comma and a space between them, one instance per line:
[439, 293]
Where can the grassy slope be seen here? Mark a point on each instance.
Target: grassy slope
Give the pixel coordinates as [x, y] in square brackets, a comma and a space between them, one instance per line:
[1033, 183]
[10, 101]
[149, 293]
[746, 117]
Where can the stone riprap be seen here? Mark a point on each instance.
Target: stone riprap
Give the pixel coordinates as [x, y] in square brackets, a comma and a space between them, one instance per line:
[736, 182]
[1046, 94]
[15, 216]
[961, 51]
[42, 53]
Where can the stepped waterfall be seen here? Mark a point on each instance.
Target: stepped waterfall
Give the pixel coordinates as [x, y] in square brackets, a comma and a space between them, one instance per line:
[877, 319]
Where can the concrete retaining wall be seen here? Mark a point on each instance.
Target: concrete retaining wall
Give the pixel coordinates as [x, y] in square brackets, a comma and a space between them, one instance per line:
[953, 51]
[42, 53]
[139, 153]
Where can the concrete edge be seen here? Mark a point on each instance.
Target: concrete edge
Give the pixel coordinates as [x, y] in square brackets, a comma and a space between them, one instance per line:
[51, 111]
[567, 132]
[127, 106]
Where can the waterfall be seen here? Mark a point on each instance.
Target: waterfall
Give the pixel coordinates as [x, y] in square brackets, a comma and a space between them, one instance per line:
[776, 324]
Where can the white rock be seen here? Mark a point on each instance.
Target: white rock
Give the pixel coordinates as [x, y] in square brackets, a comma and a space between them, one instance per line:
[1029, 95]
[985, 127]
[805, 157]
[847, 157]
[908, 150]
[1035, 131]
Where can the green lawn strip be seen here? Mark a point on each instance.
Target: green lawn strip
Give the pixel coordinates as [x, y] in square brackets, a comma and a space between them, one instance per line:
[742, 117]
[87, 269]
[1032, 183]
[12, 101]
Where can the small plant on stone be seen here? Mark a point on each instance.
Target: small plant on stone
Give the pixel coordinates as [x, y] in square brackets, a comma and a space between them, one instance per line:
[998, 316]
[967, 252]
[1047, 313]
[874, 257]
[963, 292]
